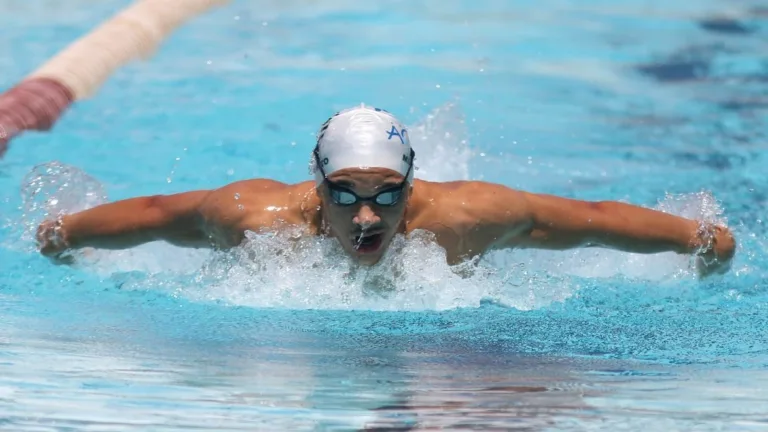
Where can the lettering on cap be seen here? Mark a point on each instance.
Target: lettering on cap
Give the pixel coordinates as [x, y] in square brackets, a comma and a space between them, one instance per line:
[402, 134]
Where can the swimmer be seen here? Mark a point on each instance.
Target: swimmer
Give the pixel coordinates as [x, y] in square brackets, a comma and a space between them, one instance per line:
[364, 193]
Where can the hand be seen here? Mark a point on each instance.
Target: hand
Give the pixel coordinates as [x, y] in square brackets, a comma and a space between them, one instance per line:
[720, 248]
[52, 242]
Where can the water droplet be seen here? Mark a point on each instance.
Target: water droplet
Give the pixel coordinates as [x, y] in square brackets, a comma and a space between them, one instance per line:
[209, 62]
[240, 207]
[437, 85]
[237, 196]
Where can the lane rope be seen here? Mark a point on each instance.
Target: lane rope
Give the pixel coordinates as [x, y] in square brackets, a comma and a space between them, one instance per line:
[79, 70]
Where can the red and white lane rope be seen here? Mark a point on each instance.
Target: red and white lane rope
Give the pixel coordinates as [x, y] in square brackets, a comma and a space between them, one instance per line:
[78, 71]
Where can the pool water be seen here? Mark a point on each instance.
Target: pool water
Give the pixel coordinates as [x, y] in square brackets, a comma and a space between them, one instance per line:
[659, 104]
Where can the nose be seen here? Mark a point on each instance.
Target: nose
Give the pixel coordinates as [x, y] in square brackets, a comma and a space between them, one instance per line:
[365, 217]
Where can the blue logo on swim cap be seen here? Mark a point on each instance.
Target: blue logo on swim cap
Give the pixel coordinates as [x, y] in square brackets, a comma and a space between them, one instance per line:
[402, 134]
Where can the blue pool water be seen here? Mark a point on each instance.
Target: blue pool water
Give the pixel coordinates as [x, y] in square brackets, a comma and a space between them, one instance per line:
[660, 104]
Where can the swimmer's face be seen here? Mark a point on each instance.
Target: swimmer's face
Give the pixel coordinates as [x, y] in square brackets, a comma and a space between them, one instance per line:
[364, 208]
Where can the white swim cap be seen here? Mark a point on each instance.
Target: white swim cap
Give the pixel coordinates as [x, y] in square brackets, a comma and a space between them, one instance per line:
[362, 137]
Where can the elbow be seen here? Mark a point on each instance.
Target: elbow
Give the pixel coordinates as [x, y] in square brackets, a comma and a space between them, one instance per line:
[601, 207]
[156, 220]
[159, 202]
[155, 211]
[169, 220]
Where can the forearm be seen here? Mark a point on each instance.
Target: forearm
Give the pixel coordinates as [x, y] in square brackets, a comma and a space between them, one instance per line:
[642, 230]
[117, 225]
[126, 223]
[560, 223]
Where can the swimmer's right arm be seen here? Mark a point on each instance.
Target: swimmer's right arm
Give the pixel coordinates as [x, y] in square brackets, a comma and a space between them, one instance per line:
[126, 223]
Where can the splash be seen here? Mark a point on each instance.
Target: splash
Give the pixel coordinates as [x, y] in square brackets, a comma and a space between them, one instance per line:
[282, 270]
[53, 189]
[442, 145]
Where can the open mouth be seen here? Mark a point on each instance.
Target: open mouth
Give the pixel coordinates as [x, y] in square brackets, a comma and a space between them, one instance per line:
[367, 243]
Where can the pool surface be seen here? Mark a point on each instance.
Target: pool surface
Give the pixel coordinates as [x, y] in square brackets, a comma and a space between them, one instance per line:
[661, 104]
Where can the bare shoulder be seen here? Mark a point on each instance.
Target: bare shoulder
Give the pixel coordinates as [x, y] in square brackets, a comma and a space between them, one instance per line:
[237, 193]
[471, 202]
[250, 186]
[250, 204]
[467, 217]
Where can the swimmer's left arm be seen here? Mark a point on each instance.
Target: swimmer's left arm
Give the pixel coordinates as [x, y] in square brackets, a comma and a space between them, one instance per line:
[562, 223]
[503, 217]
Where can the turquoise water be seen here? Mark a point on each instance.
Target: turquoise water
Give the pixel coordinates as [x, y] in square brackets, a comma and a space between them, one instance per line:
[660, 104]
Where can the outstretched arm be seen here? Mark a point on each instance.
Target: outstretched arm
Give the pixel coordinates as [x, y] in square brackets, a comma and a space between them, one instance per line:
[497, 216]
[561, 223]
[127, 223]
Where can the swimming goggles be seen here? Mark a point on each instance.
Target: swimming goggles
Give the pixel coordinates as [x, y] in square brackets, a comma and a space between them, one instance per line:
[345, 197]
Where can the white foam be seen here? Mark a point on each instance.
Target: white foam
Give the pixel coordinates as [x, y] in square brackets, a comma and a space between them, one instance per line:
[317, 274]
